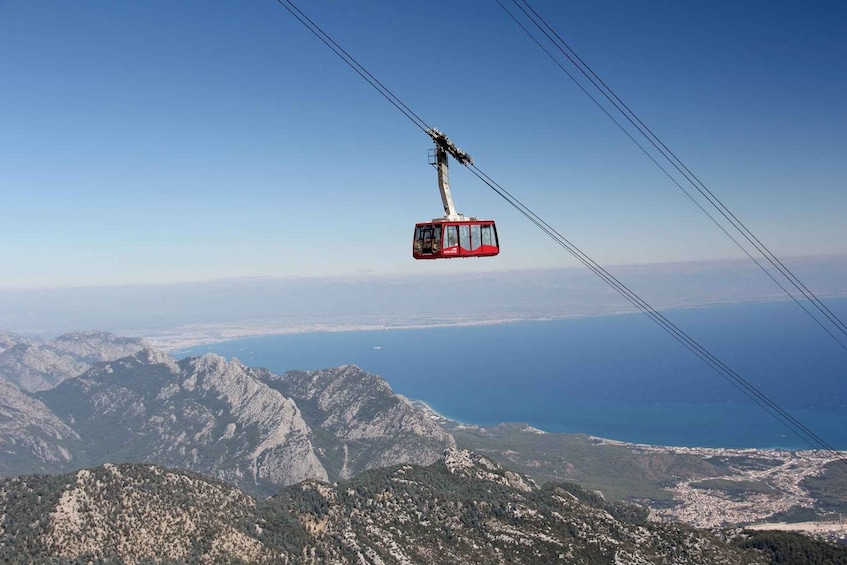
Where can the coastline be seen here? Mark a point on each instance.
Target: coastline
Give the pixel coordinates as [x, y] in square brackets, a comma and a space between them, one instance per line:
[407, 364]
[186, 337]
[443, 420]
[208, 335]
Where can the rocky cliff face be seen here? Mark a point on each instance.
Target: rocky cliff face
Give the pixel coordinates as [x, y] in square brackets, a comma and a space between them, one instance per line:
[35, 366]
[32, 438]
[448, 513]
[202, 414]
[359, 422]
[240, 424]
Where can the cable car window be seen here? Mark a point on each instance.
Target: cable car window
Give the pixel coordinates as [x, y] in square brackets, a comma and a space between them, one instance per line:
[436, 239]
[464, 237]
[475, 239]
[486, 235]
[426, 239]
[451, 237]
[418, 239]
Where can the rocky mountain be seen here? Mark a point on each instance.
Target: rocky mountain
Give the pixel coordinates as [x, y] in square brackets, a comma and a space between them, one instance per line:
[93, 346]
[202, 414]
[35, 366]
[359, 423]
[126, 514]
[467, 509]
[461, 509]
[32, 438]
[245, 425]
[8, 340]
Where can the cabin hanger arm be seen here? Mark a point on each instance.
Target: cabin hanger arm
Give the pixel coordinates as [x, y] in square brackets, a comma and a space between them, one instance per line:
[440, 160]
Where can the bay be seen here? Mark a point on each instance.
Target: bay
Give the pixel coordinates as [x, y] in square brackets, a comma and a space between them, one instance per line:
[619, 377]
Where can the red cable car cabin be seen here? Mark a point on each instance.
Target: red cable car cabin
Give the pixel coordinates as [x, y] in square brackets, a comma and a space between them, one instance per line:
[454, 235]
[443, 239]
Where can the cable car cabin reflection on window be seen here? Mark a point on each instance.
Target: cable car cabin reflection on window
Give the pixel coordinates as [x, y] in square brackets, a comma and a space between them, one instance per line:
[445, 240]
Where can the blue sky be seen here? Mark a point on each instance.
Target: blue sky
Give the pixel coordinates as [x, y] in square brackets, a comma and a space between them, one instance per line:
[158, 142]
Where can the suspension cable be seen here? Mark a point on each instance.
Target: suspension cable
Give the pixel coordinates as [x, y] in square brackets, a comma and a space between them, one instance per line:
[353, 63]
[675, 162]
[747, 388]
[718, 366]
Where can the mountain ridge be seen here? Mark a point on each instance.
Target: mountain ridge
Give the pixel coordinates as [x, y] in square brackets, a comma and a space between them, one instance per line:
[209, 415]
[32, 438]
[261, 431]
[204, 414]
[35, 366]
[360, 411]
[457, 510]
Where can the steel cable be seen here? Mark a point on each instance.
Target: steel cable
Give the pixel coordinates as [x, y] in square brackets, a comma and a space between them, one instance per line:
[671, 157]
[747, 388]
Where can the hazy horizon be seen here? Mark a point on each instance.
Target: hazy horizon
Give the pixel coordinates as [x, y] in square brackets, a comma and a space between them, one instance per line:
[236, 307]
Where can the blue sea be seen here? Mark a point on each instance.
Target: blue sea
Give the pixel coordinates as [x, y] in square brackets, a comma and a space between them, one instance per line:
[619, 376]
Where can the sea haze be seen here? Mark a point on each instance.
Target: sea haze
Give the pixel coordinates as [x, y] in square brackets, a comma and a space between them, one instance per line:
[618, 377]
[181, 315]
